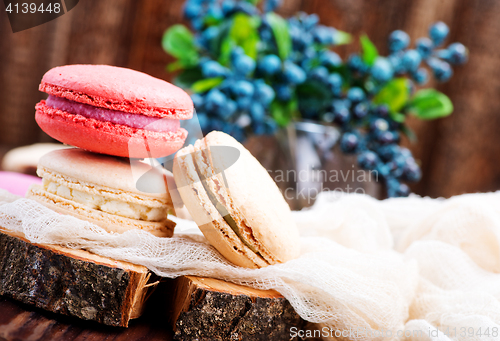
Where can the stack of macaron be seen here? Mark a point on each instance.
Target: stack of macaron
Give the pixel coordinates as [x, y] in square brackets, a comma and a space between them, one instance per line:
[127, 114]
[111, 114]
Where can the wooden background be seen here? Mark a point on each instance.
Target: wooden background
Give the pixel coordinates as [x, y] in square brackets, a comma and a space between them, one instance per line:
[458, 154]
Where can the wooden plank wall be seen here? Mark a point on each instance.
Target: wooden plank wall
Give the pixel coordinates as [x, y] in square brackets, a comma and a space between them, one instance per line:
[458, 154]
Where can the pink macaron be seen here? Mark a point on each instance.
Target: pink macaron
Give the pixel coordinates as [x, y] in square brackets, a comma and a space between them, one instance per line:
[113, 110]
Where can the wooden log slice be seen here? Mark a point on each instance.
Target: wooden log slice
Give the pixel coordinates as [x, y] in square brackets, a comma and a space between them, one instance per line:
[211, 309]
[72, 282]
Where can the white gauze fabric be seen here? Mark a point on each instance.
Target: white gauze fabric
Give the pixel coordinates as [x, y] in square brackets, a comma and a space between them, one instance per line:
[398, 269]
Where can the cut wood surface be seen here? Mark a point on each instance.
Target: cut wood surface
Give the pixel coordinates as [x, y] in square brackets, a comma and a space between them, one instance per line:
[72, 282]
[20, 321]
[211, 309]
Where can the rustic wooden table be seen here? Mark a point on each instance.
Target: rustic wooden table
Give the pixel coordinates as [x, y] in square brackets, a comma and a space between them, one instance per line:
[24, 322]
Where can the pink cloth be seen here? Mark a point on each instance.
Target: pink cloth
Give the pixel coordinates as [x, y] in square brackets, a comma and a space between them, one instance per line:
[113, 116]
[17, 183]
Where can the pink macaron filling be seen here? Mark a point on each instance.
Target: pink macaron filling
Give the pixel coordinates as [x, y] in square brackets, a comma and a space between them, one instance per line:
[113, 116]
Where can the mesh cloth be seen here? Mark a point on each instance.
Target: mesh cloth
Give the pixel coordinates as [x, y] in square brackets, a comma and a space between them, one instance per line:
[399, 269]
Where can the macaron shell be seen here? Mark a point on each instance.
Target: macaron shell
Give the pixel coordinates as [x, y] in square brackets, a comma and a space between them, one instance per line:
[106, 176]
[211, 223]
[118, 89]
[109, 222]
[214, 183]
[260, 204]
[105, 137]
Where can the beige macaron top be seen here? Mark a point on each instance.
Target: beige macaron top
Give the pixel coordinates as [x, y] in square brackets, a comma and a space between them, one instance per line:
[112, 177]
[243, 193]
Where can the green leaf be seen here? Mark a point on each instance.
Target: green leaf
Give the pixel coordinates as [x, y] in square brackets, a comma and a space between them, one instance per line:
[244, 33]
[283, 113]
[281, 33]
[226, 47]
[178, 41]
[394, 94]
[175, 66]
[342, 38]
[429, 104]
[206, 84]
[188, 77]
[254, 2]
[398, 117]
[370, 52]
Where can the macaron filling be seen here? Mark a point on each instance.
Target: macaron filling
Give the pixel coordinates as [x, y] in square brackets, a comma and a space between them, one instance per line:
[114, 116]
[112, 206]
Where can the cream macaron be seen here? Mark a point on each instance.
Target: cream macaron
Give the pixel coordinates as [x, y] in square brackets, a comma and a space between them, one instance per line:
[235, 202]
[104, 190]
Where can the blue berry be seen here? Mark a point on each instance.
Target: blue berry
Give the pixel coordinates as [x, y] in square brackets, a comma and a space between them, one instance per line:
[264, 93]
[215, 100]
[215, 12]
[228, 109]
[387, 137]
[270, 64]
[243, 121]
[438, 32]
[243, 64]
[320, 74]
[382, 111]
[398, 40]
[368, 160]
[379, 125]
[192, 10]
[257, 112]
[202, 120]
[284, 92]
[244, 103]
[424, 47]
[341, 115]
[236, 53]
[356, 64]
[245, 7]
[293, 73]
[334, 82]
[270, 127]
[197, 101]
[211, 69]
[309, 21]
[360, 111]
[396, 60]
[228, 7]
[198, 23]
[411, 60]
[396, 189]
[324, 35]
[271, 5]
[421, 76]
[382, 70]
[458, 54]
[209, 35]
[355, 94]
[243, 88]
[411, 171]
[349, 143]
[442, 70]
[330, 59]
[388, 152]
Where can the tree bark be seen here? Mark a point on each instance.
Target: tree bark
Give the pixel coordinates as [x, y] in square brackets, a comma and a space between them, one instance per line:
[211, 309]
[72, 282]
